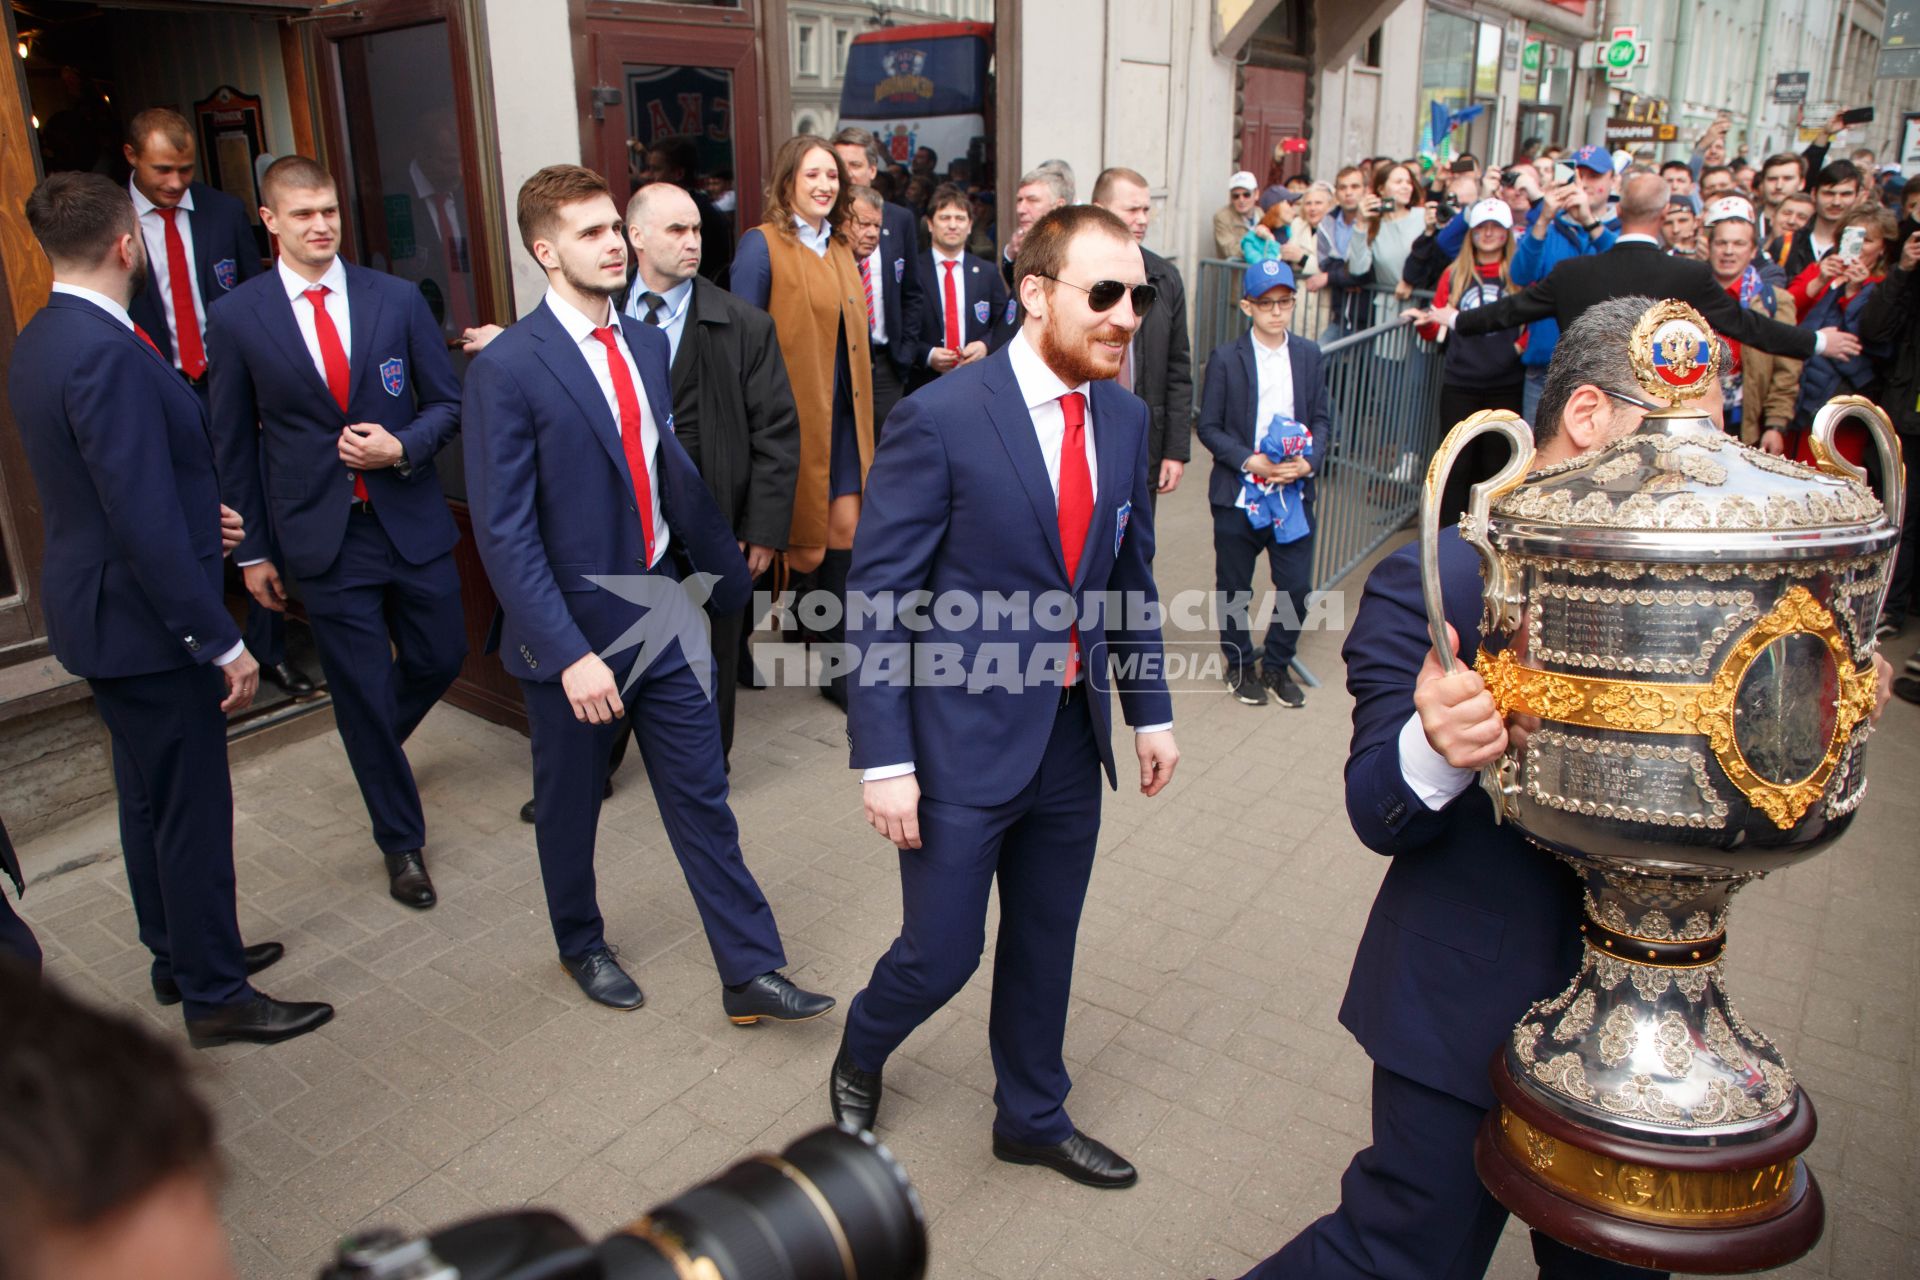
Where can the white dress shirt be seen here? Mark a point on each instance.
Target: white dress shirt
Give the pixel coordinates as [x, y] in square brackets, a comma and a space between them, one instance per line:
[878, 329]
[814, 240]
[580, 328]
[1426, 771]
[1041, 390]
[673, 311]
[1273, 385]
[959, 293]
[335, 281]
[153, 230]
[119, 313]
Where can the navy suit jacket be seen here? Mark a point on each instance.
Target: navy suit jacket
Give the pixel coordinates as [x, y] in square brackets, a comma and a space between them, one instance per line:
[1232, 397]
[959, 502]
[271, 404]
[552, 496]
[900, 286]
[118, 445]
[1472, 924]
[225, 255]
[983, 305]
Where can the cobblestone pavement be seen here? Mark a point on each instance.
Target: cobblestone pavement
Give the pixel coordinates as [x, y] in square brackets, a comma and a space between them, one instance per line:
[465, 1071]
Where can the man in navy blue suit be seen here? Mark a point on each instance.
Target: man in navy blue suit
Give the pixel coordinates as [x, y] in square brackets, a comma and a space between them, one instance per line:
[600, 538]
[1021, 478]
[962, 297]
[1263, 374]
[333, 383]
[207, 234]
[1472, 924]
[884, 269]
[131, 588]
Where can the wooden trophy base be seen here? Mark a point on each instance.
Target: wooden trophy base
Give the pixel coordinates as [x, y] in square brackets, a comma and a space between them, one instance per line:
[1708, 1210]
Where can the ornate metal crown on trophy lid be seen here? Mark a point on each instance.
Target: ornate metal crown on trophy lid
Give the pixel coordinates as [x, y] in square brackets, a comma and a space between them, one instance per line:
[1679, 630]
[1673, 353]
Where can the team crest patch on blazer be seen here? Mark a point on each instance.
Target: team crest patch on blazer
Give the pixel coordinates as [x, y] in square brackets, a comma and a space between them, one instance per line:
[899, 270]
[1120, 519]
[669, 422]
[1013, 309]
[226, 272]
[981, 310]
[393, 375]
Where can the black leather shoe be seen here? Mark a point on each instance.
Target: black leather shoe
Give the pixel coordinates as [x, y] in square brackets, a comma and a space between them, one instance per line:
[599, 974]
[408, 882]
[526, 810]
[771, 996]
[261, 1020]
[853, 1093]
[289, 678]
[1083, 1159]
[258, 956]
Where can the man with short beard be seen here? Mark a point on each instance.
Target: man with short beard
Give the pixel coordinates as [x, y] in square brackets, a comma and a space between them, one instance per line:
[1019, 477]
[589, 516]
[1779, 178]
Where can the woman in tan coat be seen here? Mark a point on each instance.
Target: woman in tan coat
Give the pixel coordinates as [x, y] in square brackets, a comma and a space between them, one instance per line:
[798, 267]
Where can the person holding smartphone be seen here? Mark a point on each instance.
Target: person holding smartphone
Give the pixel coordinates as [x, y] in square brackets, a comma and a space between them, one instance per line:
[1573, 219]
[1833, 293]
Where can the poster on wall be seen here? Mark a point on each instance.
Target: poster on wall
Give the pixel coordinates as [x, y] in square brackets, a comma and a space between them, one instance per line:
[694, 103]
[232, 137]
[1910, 144]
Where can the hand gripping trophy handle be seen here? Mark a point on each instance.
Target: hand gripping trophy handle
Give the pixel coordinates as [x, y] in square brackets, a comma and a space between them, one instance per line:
[1502, 608]
[1893, 476]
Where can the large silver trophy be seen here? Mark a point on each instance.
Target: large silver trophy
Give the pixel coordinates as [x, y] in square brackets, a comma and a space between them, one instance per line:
[1679, 630]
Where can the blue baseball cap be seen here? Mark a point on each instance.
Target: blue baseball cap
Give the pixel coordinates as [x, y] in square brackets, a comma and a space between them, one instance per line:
[1594, 158]
[1262, 276]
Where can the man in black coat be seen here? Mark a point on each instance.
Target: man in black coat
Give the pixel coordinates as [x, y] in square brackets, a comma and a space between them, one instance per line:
[733, 409]
[1159, 367]
[1636, 265]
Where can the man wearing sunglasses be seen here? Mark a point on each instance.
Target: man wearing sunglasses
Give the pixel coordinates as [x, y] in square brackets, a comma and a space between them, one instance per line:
[981, 729]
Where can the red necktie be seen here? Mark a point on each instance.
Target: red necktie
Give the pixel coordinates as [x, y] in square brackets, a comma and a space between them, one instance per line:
[333, 357]
[866, 284]
[1076, 501]
[630, 441]
[186, 321]
[453, 249]
[147, 338]
[954, 339]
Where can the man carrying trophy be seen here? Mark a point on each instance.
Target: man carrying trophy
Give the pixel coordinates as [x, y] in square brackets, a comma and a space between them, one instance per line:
[1472, 923]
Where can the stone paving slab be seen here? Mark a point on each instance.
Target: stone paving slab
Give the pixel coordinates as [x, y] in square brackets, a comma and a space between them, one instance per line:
[465, 1072]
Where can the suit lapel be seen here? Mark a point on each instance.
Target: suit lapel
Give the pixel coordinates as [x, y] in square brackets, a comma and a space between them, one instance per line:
[1243, 349]
[275, 311]
[363, 310]
[653, 383]
[1105, 404]
[1008, 413]
[575, 376]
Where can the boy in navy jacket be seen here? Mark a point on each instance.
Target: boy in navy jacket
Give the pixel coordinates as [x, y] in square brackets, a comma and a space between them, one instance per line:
[1264, 374]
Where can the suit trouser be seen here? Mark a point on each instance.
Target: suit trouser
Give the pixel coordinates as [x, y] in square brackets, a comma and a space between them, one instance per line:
[1039, 847]
[369, 603]
[176, 826]
[679, 738]
[16, 939]
[729, 643]
[1412, 1207]
[1236, 550]
[888, 387]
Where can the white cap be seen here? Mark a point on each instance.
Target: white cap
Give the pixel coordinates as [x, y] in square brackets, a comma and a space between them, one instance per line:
[1243, 180]
[1489, 211]
[1621, 159]
[1729, 207]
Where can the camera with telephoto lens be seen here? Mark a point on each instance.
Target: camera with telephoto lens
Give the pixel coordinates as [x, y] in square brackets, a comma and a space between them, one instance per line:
[1444, 209]
[834, 1205]
[1510, 178]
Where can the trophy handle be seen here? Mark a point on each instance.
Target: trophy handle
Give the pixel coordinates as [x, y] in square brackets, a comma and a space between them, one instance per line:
[1893, 495]
[1502, 610]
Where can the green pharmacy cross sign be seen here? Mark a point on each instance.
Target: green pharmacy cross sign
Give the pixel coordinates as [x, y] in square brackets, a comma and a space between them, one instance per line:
[1622, 52]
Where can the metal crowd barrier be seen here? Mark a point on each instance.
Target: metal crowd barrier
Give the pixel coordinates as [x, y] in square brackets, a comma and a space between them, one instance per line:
[1383, 388]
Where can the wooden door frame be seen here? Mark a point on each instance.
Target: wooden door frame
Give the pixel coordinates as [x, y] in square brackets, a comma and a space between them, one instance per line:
[604, 31]
[473, 105]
